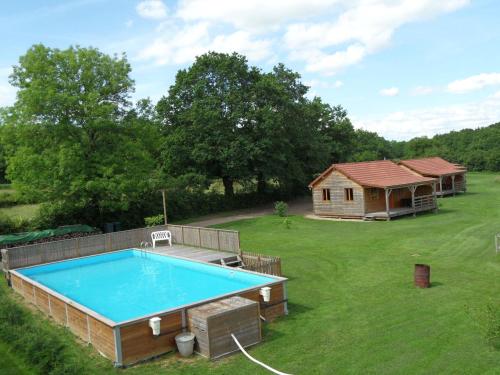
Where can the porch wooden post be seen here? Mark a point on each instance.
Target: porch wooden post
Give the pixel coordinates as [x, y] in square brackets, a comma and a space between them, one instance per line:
[453, 184]
[441, 185]
[387, 210]
[434, 198]
[413, 188]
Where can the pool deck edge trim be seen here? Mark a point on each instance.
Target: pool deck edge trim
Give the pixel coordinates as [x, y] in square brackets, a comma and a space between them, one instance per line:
[113, 324]
[65, 299]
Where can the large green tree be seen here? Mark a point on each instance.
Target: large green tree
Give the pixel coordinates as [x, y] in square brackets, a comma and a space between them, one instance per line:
[72, 143]
[224, 119]
[206, 116]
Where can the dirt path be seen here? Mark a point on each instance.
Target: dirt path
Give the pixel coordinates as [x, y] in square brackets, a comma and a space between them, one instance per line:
[300, 206]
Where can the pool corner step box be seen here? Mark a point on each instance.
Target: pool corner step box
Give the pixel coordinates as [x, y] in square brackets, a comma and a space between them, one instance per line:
[214, 322]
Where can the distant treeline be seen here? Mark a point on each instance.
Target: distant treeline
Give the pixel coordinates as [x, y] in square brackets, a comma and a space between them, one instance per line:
[75, 141]
[477, 149]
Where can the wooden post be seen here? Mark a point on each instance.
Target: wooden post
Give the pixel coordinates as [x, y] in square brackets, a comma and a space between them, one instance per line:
[441, 185]
[434, 197]
[387, 195]
[453, 184]
[163, 194]
[413, 188]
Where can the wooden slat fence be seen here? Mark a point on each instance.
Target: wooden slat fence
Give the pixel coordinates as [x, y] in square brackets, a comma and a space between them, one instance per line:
[262, 263]
[29, 255]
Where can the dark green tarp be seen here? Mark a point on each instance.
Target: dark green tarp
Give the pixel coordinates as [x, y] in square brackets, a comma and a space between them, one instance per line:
[9, 239]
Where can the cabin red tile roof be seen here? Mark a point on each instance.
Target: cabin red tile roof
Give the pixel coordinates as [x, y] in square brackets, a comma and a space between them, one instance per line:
[380, 173]
[434, 167]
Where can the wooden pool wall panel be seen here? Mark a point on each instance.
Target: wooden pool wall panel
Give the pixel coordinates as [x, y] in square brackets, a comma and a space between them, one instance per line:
[138, 342]
[132, 342]
[86, 327]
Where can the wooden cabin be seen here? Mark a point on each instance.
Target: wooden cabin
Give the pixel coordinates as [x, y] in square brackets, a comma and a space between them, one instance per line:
[372, 190]
[451, 177]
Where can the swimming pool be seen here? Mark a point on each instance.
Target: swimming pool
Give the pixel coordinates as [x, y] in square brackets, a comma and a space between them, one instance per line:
[107, 300]
[129, 284]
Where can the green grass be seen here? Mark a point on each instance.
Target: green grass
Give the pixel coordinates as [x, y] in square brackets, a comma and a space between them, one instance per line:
[10, 364]
[24, 211]
[353, 306]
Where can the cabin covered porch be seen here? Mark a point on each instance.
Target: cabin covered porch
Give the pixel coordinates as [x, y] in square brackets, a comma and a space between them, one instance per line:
[389, 202]
[451, 184]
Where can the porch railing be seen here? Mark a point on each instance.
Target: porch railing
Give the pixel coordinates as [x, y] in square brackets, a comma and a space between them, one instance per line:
[424, 202]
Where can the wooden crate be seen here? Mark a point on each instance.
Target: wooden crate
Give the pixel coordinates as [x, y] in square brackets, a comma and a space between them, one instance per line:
[214, 322]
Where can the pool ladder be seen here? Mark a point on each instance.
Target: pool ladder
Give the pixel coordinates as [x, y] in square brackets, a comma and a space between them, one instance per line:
[144, 245]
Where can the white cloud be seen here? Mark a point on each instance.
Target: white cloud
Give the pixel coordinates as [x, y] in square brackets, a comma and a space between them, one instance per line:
[178, 46]
[366, 26]
[391, 91]
[473, 83]
[255, 15]
[154, 9]
[314, 83]
[404, 125]
[129, 23]
[422, 90]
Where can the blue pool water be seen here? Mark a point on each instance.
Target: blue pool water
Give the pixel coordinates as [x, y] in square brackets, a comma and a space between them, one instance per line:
[128, 284]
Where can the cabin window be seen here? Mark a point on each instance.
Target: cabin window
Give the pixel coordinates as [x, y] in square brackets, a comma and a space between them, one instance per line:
[373, 193]
[326, 194]
[348, 194]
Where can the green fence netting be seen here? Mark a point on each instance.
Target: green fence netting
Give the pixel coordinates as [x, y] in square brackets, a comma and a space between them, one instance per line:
[9, 239]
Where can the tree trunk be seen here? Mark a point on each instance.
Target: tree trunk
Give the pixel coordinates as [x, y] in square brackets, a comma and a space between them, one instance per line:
[228, 186]
[261, 184]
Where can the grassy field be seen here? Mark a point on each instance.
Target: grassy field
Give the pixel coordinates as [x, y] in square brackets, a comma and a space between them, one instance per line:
[353, 307]
[23, 211]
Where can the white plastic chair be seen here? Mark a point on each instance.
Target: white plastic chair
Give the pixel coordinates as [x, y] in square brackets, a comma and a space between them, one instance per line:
[162, 235]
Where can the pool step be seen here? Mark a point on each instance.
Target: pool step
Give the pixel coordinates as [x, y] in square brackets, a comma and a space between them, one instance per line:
[234, 261]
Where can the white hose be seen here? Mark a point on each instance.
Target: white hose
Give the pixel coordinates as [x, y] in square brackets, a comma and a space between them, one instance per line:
[254, 360]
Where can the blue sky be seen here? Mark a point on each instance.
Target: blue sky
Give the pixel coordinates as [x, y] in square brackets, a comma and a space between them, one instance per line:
[402, 68]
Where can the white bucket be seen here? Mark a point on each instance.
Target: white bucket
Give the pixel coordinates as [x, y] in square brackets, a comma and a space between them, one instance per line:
[185, 343]
[265, 293]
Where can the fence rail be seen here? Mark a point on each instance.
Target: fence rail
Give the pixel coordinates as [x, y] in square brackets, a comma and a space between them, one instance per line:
[29, 255]
[424, 202]
[262, 263]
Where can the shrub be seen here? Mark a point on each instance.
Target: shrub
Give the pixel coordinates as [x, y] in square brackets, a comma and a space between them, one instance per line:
[287, 222]
[9, 225]
[281, 209]
[152, 221]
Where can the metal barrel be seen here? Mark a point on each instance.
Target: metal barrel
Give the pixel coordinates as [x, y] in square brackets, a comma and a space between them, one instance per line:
[422, 275]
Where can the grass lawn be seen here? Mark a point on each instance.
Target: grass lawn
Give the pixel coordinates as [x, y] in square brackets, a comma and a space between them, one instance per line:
[10, 364]
[353, 307]
[24, 211]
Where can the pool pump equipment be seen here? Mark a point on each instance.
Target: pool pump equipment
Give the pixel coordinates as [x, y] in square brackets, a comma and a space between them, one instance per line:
[266, 293]
[154, 323]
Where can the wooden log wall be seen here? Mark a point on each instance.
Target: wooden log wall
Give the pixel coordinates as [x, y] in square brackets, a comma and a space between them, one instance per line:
[83, 325]
[337, 205]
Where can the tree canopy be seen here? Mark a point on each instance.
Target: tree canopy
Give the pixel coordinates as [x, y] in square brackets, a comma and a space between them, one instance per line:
[72, 143]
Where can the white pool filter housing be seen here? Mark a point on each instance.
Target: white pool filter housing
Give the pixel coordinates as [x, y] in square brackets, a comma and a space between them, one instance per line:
[266, 293]
[154, 323]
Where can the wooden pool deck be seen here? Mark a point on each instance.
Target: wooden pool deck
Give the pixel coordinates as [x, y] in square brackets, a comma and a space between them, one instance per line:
[195, 253]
